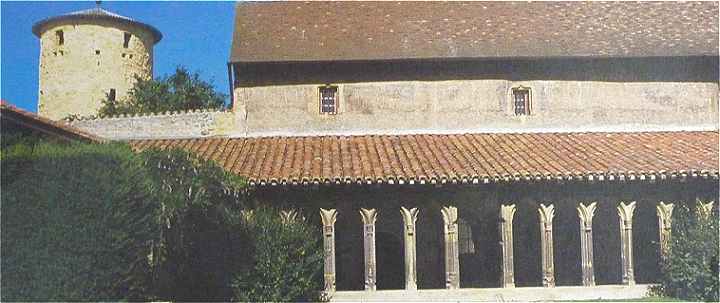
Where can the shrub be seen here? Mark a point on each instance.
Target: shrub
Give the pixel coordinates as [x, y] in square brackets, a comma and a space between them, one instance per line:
[285, 260]
[77, 223]
[200, 247]
[690, 270]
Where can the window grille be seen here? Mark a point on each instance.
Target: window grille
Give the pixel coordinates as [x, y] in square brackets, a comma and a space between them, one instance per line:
[328, 99]
[126, 40]
[521, 98]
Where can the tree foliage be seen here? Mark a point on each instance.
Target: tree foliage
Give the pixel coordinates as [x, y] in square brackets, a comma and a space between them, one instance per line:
[181, 91]
[285, 260]
[690, 270]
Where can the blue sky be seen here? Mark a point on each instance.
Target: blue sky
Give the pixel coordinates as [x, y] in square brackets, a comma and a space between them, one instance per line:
[196, 35]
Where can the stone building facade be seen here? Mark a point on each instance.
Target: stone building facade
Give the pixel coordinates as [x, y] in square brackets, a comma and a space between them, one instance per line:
[464, 147]
[89, 55]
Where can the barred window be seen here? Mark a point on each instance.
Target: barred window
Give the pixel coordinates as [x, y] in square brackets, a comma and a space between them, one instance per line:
[328, 99]
[521, 98]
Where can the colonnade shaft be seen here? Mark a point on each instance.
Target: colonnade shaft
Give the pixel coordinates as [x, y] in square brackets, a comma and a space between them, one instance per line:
[547, 213]
[625, 212]
[586, 213]
[507, 212]
[369, 216]
[452, 255]
[409, 219]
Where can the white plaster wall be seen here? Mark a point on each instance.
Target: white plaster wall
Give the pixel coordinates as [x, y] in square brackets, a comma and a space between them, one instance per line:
[478, 106]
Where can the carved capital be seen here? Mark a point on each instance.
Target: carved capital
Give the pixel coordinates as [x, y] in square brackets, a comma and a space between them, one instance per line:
[626, 212]
[547, 213]
[328, 216]
[704, 210]
[289, 216]
[247, 215]
[449, 214]
[507, 212]
[368, 215]
[409, 215]
[586, 214]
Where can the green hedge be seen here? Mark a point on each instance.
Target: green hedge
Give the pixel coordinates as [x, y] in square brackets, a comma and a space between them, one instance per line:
[77, 223]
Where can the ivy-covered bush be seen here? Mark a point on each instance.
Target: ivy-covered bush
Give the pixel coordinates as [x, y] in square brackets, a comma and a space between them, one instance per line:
[77, 224]
[285, 259]
[690, 271]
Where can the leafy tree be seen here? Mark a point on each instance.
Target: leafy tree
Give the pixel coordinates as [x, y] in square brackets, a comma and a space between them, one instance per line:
[690, 270]
[181, 91]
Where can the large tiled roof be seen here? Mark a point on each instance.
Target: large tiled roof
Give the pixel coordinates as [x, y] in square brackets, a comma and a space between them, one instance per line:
[358, 30]
[460, 158]
[94, 14]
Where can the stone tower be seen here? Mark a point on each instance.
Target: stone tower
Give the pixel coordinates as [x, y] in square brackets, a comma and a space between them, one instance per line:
[88, 55]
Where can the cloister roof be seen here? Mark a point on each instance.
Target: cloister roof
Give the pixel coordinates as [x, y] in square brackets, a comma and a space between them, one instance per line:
[459, 158]
[365, 30]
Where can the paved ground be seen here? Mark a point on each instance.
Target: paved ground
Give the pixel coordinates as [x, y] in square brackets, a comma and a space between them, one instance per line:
[522, 294]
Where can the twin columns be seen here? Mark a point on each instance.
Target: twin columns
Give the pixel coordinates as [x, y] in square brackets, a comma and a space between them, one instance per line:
[507, 212]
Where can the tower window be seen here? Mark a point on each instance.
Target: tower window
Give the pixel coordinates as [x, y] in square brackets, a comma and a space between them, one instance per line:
[126, 40]
[60, 36]
[111, 95]
[97, 51]
[521, 100]
[328, 99]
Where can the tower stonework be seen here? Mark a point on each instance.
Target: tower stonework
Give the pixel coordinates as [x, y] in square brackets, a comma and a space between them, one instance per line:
[87, 56]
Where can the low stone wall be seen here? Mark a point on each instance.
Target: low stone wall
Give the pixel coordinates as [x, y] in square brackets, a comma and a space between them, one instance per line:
[192, 124]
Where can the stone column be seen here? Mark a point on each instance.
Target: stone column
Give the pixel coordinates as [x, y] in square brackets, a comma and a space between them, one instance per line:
[507, 212]
[369, 216]
[625, 212]
[586, 213]
[547, 213]
[452, 254]
[664, 214]
[328, 217]
[409, 219]
[247, 215]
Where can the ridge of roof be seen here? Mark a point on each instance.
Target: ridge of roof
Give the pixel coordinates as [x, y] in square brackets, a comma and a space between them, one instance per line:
[95, 13]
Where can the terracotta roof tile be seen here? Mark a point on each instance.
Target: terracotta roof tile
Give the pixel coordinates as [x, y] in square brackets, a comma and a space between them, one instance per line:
[389, 30]
[459, 158]
[56, 129]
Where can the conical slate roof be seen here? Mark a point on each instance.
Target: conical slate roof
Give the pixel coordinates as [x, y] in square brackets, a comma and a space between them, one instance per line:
[96, 14]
